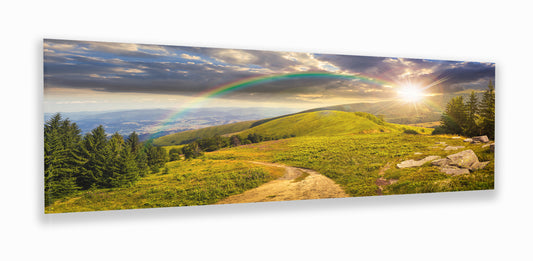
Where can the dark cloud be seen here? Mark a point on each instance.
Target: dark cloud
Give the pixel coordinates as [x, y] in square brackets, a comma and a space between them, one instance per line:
[113, 67]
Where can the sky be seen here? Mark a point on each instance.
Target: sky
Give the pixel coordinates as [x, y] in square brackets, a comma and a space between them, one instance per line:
[95, 76]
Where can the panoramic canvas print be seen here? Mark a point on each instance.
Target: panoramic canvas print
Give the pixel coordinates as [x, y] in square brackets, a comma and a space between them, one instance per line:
[129, 126]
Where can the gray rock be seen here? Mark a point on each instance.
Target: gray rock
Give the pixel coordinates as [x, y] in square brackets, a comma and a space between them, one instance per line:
[492, 147]
[467, 140]
[416, 163]
[464, 159]
[454, 170]
[440, 162]
[456, 137]
[483, 139]
[454, 147]
[479, 165]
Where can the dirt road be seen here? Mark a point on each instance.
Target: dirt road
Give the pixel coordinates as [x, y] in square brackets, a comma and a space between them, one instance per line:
[295, 184]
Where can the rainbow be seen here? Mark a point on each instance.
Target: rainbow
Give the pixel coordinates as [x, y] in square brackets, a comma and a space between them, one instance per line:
[251, 81]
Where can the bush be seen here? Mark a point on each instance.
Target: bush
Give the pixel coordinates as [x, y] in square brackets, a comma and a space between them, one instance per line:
[438, 130]
[410, 131]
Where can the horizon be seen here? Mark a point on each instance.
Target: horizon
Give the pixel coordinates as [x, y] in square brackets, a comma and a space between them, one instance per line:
[103, 76]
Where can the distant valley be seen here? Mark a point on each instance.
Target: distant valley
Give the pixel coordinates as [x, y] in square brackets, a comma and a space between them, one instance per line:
[145, 122]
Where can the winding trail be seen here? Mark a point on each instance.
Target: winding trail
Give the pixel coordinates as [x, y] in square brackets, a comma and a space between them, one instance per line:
[295, 184]
[381, 181]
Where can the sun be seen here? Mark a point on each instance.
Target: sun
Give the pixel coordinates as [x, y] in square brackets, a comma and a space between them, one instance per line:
[410, 93]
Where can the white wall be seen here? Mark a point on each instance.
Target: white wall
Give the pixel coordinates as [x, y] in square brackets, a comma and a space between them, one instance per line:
[489, 225]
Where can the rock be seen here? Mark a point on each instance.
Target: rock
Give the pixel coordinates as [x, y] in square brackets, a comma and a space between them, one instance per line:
[456, 137]
[418, 153]
[440, 162]
[467, 140]
[450, 170]
[479, 165]
[464, 159]
[483, 139]
[492, 147]
[416, 163]
[454, 147]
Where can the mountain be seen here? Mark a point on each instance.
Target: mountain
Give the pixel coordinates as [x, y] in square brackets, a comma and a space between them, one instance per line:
[323, 123]
[315, 123]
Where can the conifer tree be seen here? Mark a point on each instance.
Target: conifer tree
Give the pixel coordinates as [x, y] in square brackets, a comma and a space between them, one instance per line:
[95, 149]
[129, 172]
[454, 118]
[471, 126]
[113, 168]
[133, 142]
[488, 111]
[61, 159]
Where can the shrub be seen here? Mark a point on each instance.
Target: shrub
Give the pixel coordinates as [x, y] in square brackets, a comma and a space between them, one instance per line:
[410, 131]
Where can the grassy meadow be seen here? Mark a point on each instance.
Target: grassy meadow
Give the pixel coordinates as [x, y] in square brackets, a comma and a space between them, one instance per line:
[355, 150]
[186, 183]
[355, 161]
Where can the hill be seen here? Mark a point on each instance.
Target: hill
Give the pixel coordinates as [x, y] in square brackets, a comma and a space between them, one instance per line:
[324, 123]
[192, 135]
[429, 110]
[314, 123]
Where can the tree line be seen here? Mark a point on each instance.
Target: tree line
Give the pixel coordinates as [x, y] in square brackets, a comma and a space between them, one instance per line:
[198, 147]
[470, 117]
[74, 162]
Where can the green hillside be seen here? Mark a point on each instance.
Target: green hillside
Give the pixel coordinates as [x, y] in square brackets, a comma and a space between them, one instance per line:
[429, 110]
[191, 135]
[324, 123]
[315, 123]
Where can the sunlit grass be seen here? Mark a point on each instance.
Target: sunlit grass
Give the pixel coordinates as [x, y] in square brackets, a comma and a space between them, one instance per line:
[193, 182]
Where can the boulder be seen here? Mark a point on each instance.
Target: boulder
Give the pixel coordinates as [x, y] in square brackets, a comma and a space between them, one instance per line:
[416, 163]
[440, 162]
[464, 159]
[467, 140]
[454, 147]
[479, 165]
[483, 139]
[450, 170]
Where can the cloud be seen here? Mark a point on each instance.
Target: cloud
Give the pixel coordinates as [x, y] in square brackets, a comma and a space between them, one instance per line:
[136, 68]
[190, 57]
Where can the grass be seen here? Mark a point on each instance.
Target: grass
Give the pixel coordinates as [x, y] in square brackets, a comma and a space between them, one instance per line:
[194, 182]
[191, 135]
[325, 123]
[350, 148]
[354, 161]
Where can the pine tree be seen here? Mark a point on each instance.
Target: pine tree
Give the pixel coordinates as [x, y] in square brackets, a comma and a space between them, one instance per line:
[129, 172]
[61, 158]
[488, 111]
[471, 126]
[112, 174]
[133, 142]
[454, 118]
[94, 148]
[138, 152]
[156, 157]
[142, 162]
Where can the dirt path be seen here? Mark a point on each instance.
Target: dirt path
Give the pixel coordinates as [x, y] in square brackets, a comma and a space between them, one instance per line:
[295, 184]
[381, 181]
